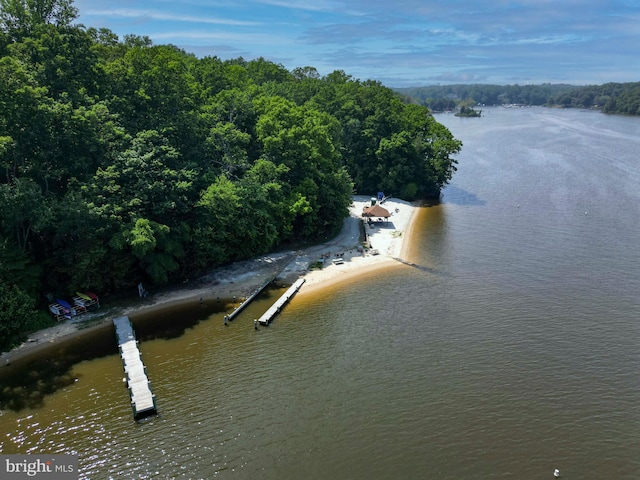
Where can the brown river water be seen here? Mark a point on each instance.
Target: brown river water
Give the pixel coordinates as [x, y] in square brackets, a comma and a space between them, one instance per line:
[511, 349]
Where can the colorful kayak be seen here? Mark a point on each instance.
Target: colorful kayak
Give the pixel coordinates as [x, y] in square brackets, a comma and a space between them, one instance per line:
[59, 312]
[87, 299]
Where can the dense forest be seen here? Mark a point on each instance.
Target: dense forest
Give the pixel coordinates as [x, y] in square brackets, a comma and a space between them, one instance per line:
[449, 97]
[123, 161]
[622, 98]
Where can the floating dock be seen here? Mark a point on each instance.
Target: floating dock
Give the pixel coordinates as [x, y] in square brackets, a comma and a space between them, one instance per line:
[281, 302]
[143, 401]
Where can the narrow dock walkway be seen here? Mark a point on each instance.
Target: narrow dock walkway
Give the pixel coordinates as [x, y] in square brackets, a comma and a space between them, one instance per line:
[249, 299]
[276, 307]
[143, 401]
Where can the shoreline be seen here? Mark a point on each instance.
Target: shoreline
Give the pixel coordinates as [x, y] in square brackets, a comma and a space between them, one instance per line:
[388, 238]
[242, 278]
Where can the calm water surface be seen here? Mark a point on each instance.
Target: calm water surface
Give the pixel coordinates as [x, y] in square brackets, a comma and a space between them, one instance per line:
[514, 350]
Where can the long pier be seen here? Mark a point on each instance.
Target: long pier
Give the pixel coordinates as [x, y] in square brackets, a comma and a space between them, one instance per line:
[281, 302]
[143, 401]
[249, 299]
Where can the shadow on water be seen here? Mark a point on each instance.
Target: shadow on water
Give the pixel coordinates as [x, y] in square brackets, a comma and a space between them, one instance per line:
[424, 268]
[26, 383]
[172, 321]
[168, 322]
[426, 204]
[458, 196]
[429, 218]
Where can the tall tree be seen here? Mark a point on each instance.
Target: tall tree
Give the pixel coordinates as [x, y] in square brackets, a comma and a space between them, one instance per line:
[16, 308]
[20, 18]
[306, 142]
[25, 211]
[145, 197]
[227, 148]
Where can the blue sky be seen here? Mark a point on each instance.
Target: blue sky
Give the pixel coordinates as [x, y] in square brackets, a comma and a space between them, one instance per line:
[399, 42]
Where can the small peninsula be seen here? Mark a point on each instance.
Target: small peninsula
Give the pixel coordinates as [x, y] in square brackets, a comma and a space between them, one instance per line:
[386, 239]
[139, 166]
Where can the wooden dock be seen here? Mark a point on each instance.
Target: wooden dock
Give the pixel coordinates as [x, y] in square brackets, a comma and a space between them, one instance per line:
[249, 299]
[281, 302]
[143, 401]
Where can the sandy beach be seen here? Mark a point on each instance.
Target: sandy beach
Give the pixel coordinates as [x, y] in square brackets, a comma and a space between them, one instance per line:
[386, 240]
[343, 258]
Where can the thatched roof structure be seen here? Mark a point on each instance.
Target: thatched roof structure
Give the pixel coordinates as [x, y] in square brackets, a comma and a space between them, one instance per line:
[376, 211]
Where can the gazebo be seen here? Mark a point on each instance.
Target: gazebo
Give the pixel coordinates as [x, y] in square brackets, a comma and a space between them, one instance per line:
[376, 211]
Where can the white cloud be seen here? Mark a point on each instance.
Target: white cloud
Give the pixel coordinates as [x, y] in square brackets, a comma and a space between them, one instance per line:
[312, 5]
[157, 15]
[401, 42]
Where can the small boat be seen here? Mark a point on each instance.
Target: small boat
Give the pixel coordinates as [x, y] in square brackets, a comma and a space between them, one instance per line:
[81, 301]
[87, 299]
[59, 312]
[67, 307]
[94, 299]
[74, 309]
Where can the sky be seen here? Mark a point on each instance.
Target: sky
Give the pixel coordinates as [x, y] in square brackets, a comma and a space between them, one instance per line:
[400, 43]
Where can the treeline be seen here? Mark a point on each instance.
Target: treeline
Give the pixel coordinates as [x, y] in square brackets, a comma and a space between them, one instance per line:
[621, 98]
[124, 161]
[448, 97]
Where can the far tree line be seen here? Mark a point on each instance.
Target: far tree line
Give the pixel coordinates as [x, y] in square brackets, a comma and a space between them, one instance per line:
[618, 98]
[122, 161]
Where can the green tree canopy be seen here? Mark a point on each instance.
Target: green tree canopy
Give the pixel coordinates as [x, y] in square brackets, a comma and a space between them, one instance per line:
[16, 308]
[124, 161]
[20, 18]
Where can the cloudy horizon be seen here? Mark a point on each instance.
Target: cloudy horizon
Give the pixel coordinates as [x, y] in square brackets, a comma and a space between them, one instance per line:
[409, 43]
